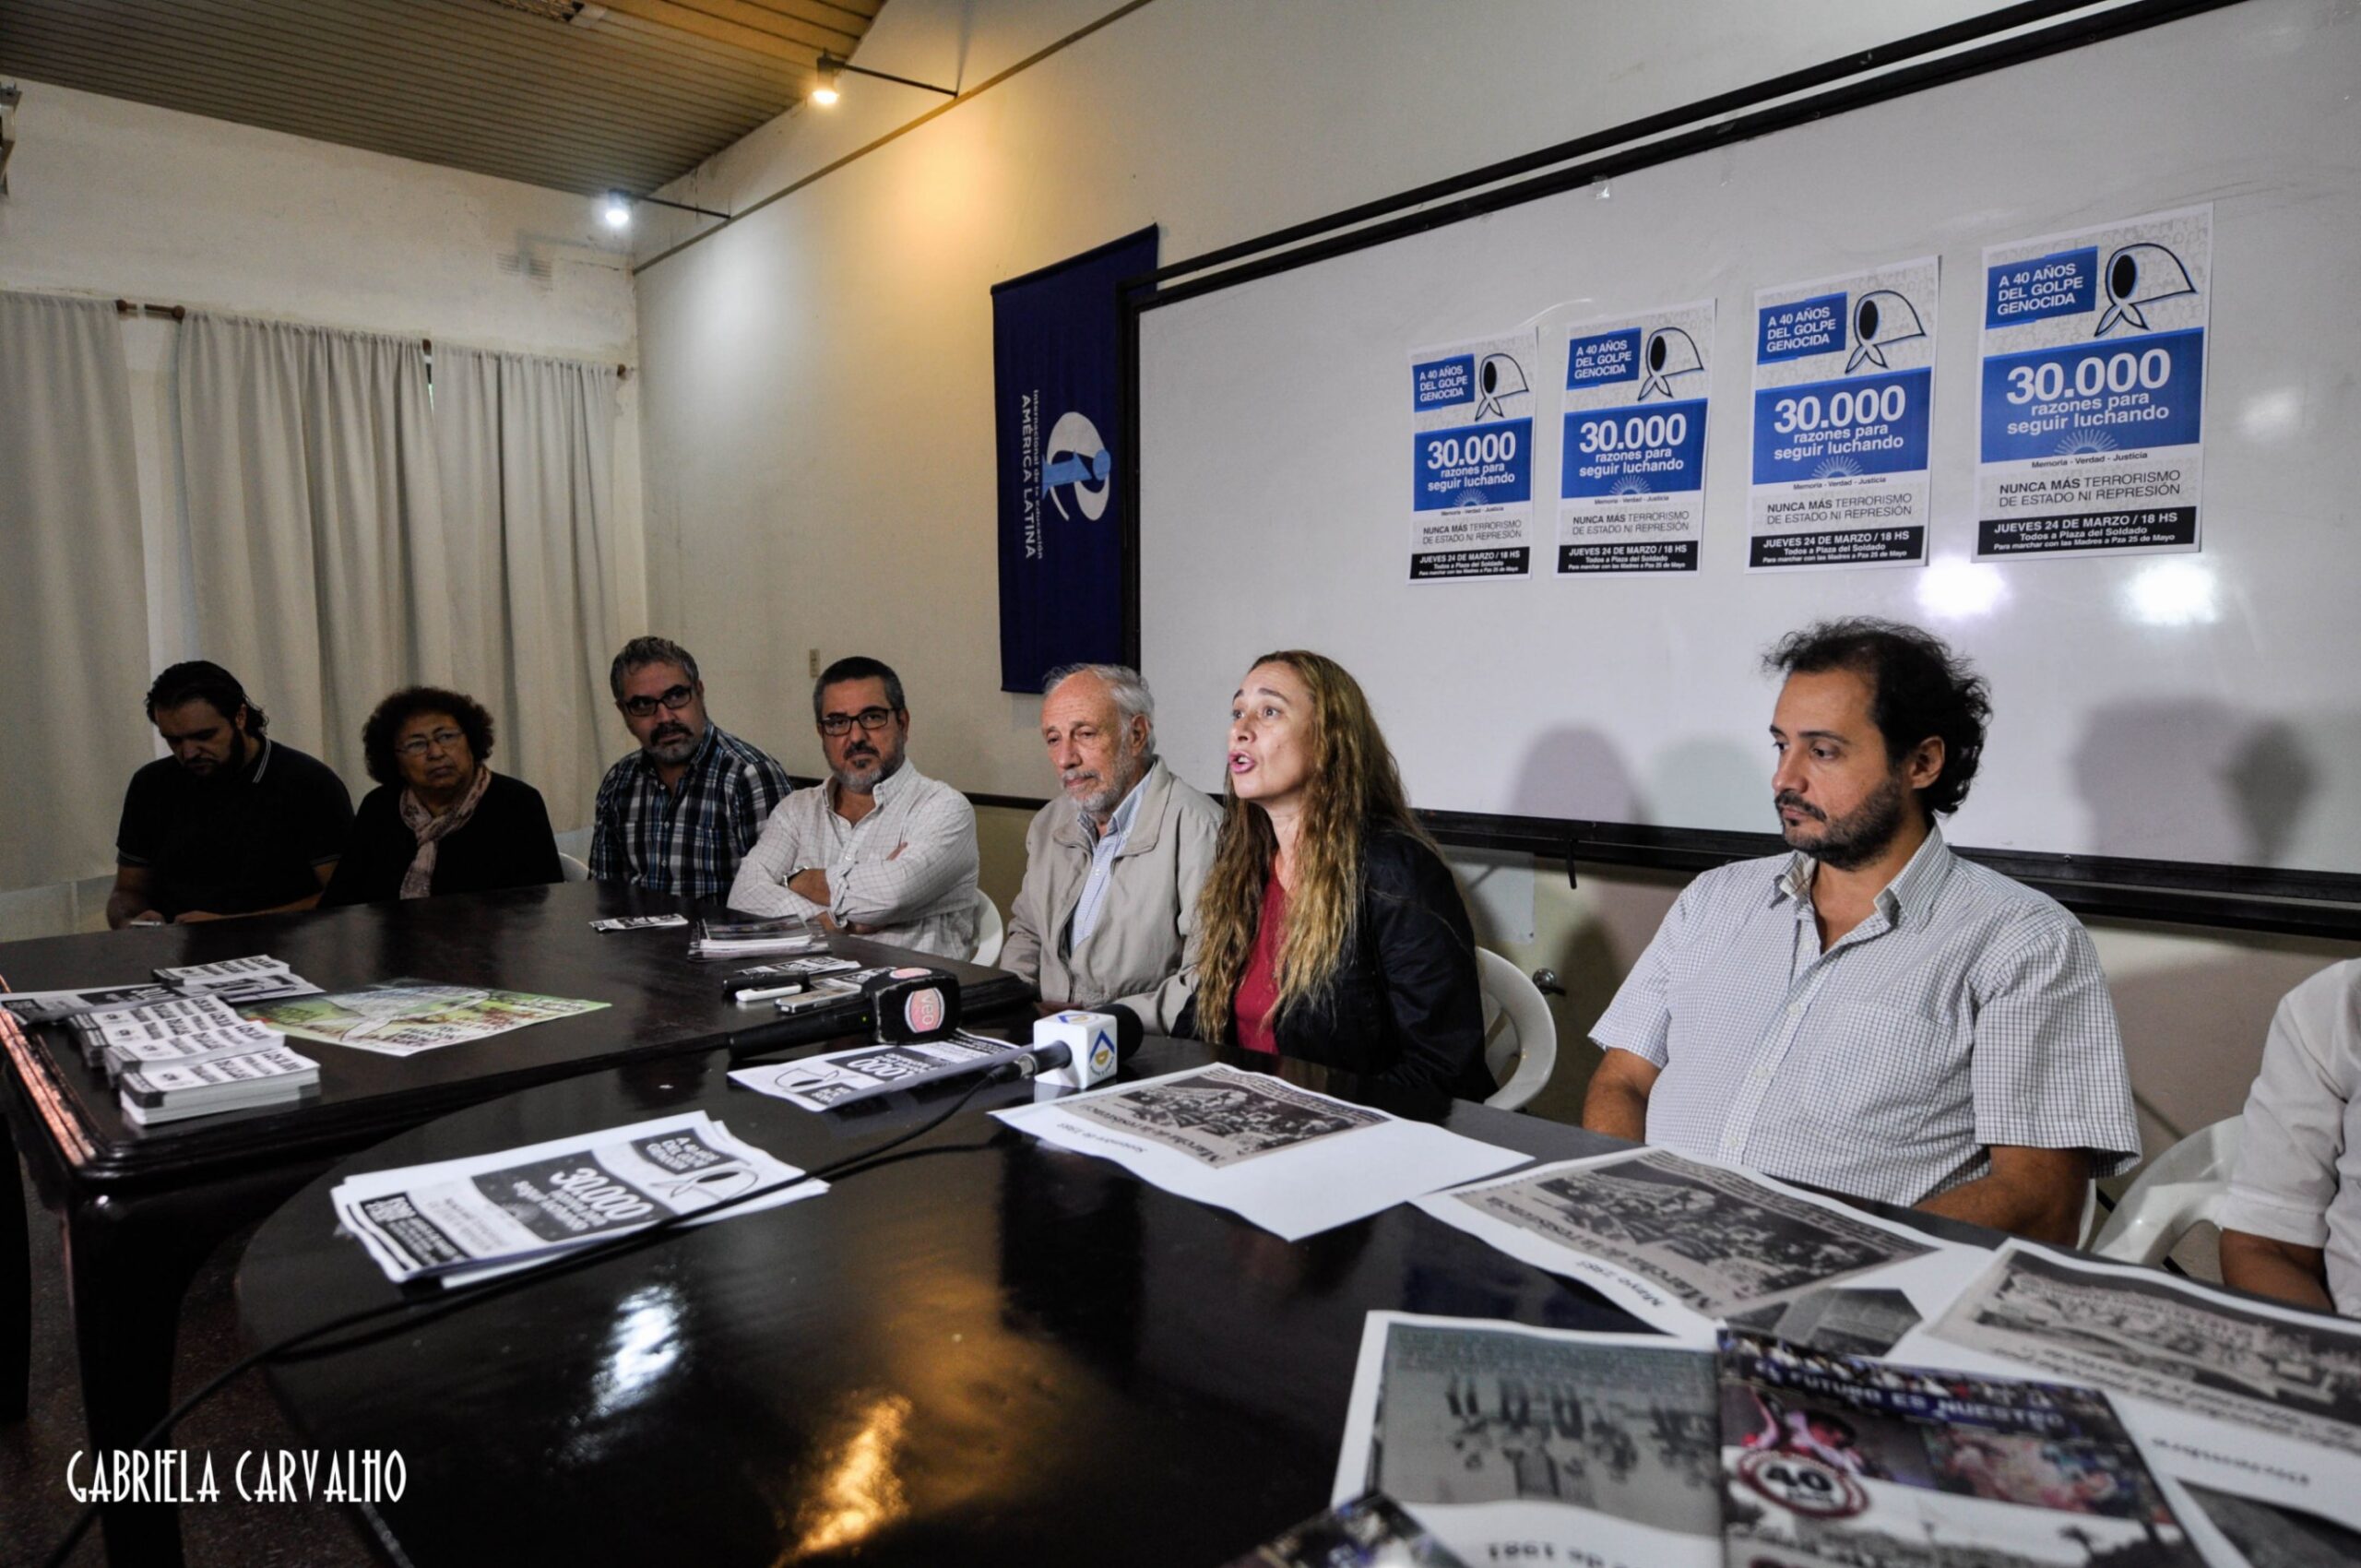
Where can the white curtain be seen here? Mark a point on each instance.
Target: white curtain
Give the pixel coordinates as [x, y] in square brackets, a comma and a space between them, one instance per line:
[318, 562]
[526, 453]
[74, 630]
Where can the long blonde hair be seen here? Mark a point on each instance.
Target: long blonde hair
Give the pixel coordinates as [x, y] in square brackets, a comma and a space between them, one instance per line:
[1353, 788]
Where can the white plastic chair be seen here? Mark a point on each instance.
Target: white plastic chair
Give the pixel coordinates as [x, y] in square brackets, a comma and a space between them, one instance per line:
[575, 869]
[990, 931]
[1520, 1037]
[2183, 1186]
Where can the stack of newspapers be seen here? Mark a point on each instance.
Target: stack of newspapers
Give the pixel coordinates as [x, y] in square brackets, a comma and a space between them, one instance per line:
[191, 1056]
[737, 939]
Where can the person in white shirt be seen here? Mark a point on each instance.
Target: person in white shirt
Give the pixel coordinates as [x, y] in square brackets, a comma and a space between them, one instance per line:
[2292, 1227]
[878, 850]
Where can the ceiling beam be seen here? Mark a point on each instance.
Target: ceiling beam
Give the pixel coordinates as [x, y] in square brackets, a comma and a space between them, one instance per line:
[742, 25]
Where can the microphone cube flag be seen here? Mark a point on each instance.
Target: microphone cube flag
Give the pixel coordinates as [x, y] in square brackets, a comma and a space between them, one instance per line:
[1089, 1040]
[913, 1004]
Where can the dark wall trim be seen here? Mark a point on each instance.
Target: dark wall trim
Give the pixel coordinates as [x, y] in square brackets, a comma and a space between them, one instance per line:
[2238, 897]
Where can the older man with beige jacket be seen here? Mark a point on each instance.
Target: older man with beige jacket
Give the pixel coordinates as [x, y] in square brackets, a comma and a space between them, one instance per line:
[1109, 908]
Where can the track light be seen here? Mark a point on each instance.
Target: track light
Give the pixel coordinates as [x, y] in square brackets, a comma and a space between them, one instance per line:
[831, 68]
[615, 208]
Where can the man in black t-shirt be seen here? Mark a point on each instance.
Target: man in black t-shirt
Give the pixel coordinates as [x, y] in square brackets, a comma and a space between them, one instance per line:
[231, 823]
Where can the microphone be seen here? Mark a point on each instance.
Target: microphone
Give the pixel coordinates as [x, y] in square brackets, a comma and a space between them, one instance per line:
[1075, 1050]
[904, 1005]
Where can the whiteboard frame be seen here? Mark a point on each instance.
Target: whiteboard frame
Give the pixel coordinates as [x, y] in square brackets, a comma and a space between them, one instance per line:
[2247, 897]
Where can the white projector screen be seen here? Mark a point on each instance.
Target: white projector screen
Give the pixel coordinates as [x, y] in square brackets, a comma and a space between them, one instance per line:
[2202, 707]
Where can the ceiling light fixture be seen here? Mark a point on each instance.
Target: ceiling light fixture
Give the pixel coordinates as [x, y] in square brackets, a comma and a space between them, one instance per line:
[831, 67]
[615, 208]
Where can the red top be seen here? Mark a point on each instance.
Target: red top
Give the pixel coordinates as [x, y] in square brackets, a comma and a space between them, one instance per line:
[1258, 989]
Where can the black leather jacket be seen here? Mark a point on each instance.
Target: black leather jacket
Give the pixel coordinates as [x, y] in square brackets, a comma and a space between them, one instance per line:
[1403, 1003]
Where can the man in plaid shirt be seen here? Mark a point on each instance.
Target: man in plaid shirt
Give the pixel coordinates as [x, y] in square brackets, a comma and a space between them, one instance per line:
[1872, 1014]
[678, 814]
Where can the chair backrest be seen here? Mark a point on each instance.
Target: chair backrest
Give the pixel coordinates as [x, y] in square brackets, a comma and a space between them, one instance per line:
[1520, 1037]
[575, 869]
[990, 931]
[2185, 1186]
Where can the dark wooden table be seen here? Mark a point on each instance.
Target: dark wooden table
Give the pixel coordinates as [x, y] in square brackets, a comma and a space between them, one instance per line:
[982, 1350]
[141, 1207]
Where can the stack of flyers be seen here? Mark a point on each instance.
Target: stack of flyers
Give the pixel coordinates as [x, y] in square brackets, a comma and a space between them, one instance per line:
[56, 1006]
[456, 1219]
[165, 1032]
[117, 1057]
[637, 922]
[731, 939]
[239, 981]
[226, 972]
[172, 1019]
[214, 1083]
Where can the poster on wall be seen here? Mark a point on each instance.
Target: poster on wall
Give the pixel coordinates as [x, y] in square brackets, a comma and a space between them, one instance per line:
[1471, 459]
[1632, 457]
[1058, 404]
[1843, 392]
[2092, 440]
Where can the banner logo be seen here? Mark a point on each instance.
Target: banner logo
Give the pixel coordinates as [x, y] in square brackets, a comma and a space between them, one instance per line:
[1077, 462]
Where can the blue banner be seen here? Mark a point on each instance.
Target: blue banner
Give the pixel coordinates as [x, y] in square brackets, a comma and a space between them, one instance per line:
[2118, 392]
[2062, 283]
[1815, 325]
[1866, 425]
[1646, 449]
[1476, 464]
[1057, 380]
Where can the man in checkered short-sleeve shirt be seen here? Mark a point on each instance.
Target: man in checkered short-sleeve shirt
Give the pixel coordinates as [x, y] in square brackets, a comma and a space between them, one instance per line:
[678, 814]
[1871, 1013]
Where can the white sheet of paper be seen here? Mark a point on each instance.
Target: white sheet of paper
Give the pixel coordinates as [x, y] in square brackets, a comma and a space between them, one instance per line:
[1929, 1271]
[1505, 1441]
[475, 1222]
[1290, 1161]
[2317, 1377]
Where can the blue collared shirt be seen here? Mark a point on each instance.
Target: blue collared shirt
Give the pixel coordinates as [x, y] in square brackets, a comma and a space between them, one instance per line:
[1103, 848]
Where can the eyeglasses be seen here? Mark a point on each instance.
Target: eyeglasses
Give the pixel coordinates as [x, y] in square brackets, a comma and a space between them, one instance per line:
[869, 719]
[416, 745]
[676, 700]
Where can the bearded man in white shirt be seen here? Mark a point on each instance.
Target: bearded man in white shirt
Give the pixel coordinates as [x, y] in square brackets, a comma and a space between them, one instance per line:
[878, 850]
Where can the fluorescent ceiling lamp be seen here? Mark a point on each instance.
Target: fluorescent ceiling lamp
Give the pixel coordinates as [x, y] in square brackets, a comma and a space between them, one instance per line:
[616, 209]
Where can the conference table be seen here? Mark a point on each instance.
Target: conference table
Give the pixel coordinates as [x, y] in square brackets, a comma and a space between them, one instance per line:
[141, 1206]
[978, 1350]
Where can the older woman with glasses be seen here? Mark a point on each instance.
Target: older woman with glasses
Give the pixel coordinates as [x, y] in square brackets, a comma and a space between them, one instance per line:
[440, 821]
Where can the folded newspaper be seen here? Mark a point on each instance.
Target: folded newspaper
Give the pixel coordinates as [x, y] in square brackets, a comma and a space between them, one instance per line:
[1539, 1446]
[2228, 1392]
[1839, 1460]
[1291, 1161]
[457, 1219]
[1521, 1444]
[1367, 1531]
[1685, 1244]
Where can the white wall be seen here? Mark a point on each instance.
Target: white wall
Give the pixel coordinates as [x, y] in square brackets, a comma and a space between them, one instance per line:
[120, 200]
[818, 387]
